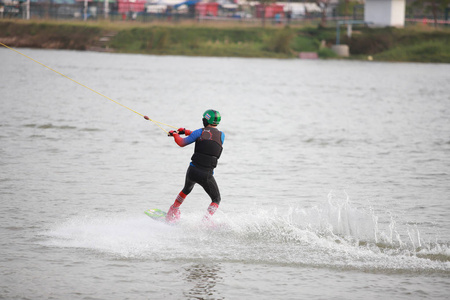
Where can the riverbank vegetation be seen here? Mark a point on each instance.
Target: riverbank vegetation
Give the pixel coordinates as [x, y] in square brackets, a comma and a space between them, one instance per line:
[417, 44]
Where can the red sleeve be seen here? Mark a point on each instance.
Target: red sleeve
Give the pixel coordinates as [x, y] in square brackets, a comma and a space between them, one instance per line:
[179, 140]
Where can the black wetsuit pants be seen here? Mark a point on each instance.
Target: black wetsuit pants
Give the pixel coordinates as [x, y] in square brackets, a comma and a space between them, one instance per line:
[205, 178]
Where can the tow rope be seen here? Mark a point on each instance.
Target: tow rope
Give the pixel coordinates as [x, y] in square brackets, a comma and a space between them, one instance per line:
[98, 93]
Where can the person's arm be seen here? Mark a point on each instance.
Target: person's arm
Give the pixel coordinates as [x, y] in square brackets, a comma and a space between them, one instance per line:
[192, 137]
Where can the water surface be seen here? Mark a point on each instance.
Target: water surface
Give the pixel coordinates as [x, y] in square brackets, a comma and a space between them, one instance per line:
[334, 178]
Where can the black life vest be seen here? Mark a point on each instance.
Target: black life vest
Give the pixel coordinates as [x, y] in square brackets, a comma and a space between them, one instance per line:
[208, 148]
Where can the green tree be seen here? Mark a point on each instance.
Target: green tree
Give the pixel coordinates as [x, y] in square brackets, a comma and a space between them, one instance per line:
[436, 7]
[346, 7]
[323, 4]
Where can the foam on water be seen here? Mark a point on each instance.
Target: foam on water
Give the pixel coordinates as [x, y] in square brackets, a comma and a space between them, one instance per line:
[335, 235]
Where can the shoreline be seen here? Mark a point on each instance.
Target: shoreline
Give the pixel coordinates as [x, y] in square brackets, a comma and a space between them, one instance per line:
[411, 44]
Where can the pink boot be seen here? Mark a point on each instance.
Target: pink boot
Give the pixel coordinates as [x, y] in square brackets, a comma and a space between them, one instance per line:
[210, 212]
[174, 211]
[173, 214]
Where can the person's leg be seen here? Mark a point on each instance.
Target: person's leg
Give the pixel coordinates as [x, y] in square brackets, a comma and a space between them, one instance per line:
[174, 212]
[189, 182]
[212, 189]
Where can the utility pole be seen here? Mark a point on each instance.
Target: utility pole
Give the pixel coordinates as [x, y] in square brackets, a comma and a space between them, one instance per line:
[85, 9]
[106, 9]
[28, 9]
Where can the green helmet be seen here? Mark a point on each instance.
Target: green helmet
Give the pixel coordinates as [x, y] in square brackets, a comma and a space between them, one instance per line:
[211, 117]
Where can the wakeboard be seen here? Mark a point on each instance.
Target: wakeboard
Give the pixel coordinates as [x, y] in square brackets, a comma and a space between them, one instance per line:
[156, 214]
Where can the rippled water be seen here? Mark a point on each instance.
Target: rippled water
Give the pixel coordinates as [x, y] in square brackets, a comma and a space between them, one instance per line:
[334, 179]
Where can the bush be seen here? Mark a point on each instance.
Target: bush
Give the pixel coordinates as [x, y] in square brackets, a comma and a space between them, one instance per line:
[306, 44]
[371, 43]
[326, 53]
[158, 40]
[280, 41]
[437, 51]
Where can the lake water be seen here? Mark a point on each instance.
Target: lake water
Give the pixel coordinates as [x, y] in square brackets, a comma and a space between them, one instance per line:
[335, 179]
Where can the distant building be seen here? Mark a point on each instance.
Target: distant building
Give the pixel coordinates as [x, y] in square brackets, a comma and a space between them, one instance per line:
[385, 12]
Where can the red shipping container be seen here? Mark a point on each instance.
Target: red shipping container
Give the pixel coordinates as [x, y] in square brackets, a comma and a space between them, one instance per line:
[131, 5]
[270, 10]
[207, 9]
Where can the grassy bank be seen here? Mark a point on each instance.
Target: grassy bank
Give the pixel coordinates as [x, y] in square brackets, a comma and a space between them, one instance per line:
[49, 35]
[387, 44]
[412, 44]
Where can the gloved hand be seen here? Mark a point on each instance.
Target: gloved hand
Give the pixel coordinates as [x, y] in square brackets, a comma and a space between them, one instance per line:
[171, 133]
[184, 131]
